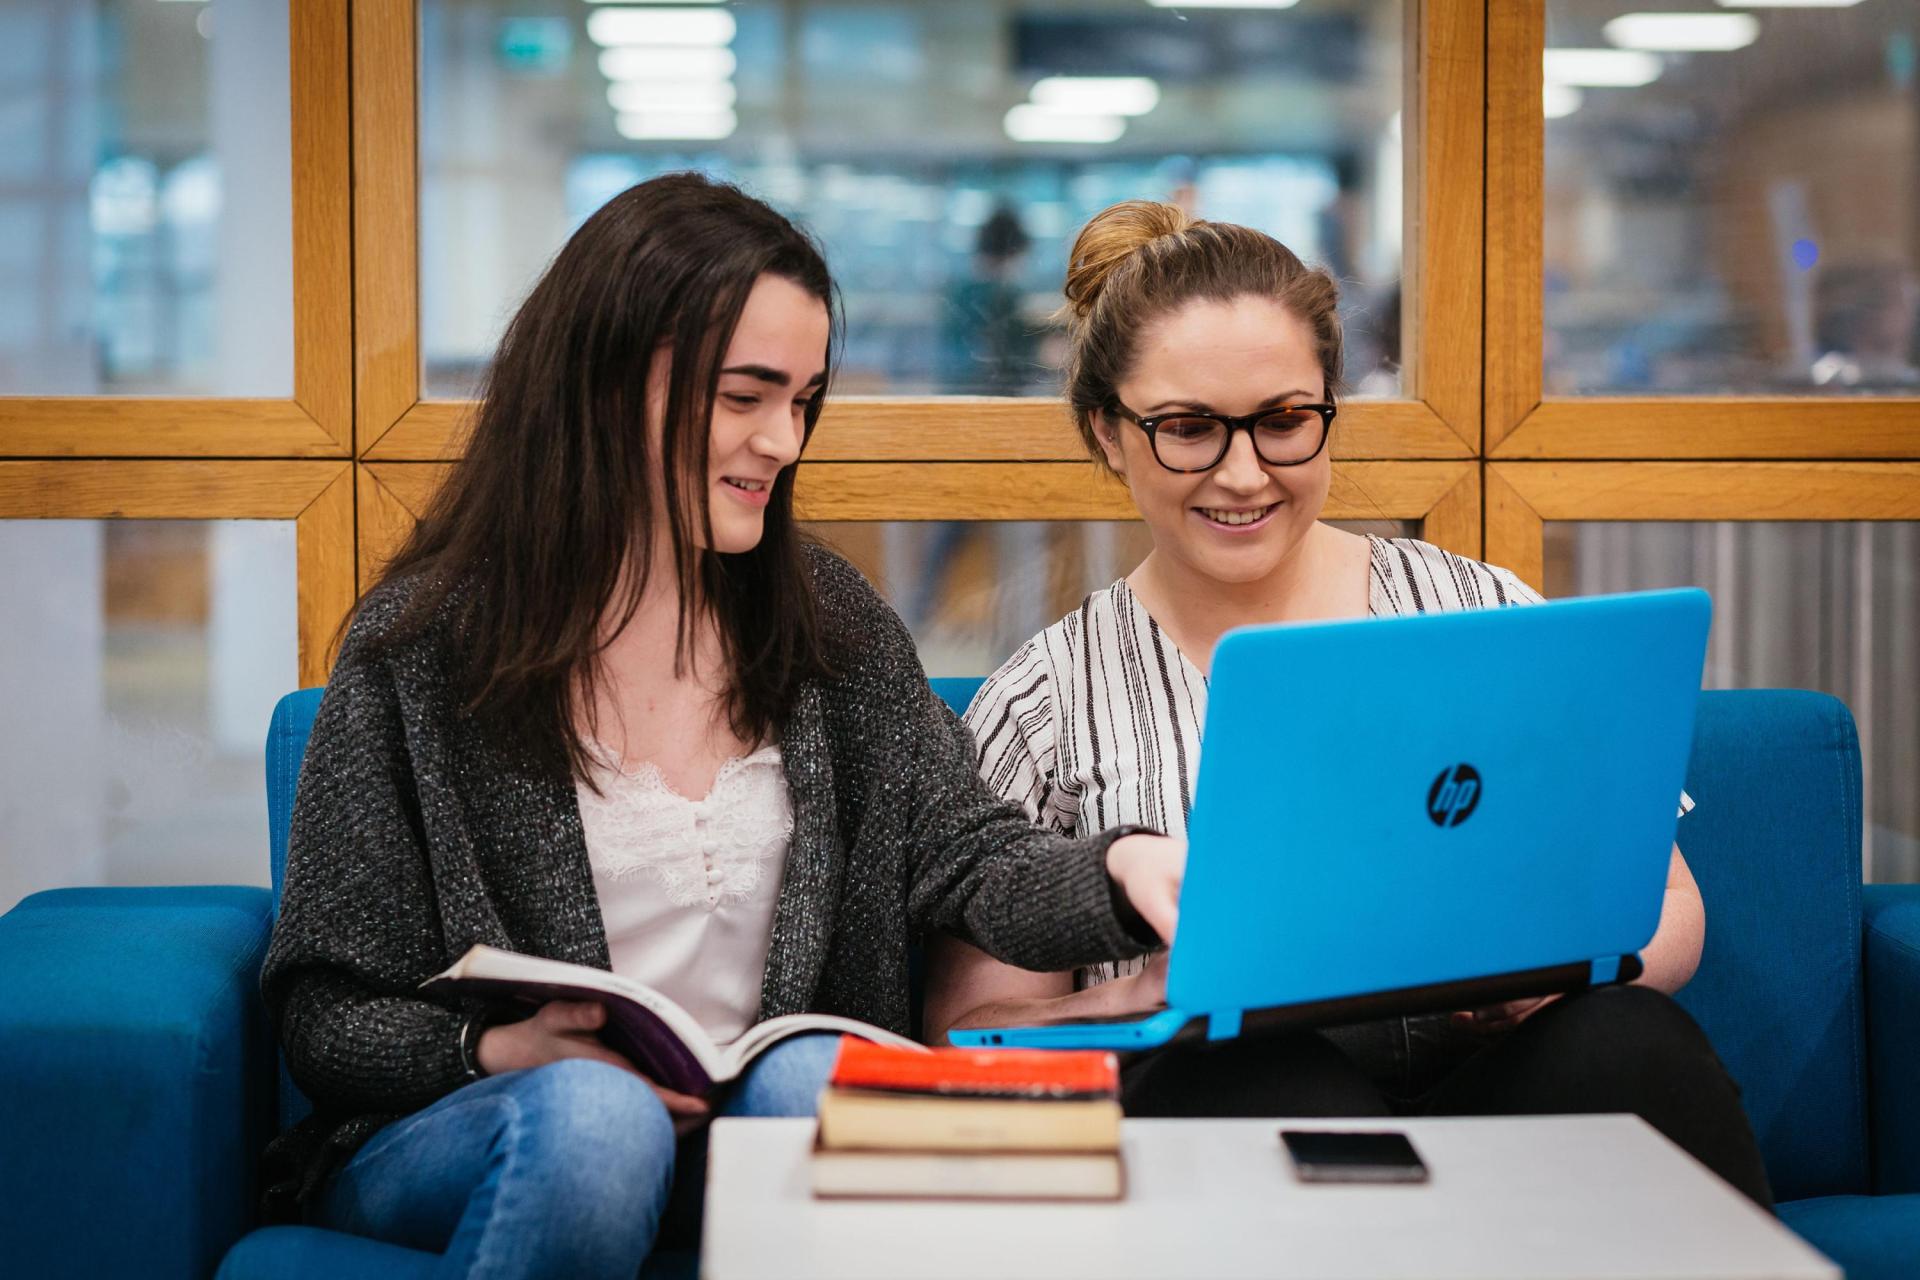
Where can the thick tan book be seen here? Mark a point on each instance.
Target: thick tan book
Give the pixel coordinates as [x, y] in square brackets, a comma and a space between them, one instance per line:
[872, 1121]
[937, 1175]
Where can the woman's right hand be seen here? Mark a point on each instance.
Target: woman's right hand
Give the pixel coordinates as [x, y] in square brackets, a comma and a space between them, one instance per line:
[570, 1029]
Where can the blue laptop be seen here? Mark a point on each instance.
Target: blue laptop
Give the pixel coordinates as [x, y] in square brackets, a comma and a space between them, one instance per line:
[1418, 814]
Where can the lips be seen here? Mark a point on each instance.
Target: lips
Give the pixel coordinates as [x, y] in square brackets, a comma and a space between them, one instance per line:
[752, 492]
[1236, 518]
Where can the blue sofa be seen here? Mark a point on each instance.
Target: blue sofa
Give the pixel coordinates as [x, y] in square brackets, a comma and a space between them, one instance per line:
[138, 1080]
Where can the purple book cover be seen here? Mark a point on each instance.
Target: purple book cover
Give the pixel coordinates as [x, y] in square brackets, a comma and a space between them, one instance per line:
[632, 1030]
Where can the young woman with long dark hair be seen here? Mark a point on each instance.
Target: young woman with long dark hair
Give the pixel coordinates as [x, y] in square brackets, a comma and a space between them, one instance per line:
[607, 706]
[1203, 370]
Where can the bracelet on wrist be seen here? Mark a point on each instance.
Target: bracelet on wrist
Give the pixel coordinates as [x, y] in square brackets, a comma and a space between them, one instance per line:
[470, 1032]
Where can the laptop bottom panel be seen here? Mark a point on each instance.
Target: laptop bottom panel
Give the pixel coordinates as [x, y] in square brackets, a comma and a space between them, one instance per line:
[1161, 1028]
[1146, 1032]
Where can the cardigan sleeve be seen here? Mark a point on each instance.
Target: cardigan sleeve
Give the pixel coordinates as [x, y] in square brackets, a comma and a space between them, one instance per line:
[358, 927]
[977, 868]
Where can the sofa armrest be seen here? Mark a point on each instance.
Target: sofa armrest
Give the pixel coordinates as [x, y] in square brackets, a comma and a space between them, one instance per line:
[136, 1078]
[1892, 928]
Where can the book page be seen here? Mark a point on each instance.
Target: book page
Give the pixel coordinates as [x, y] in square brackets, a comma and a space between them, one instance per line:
[769, 1033]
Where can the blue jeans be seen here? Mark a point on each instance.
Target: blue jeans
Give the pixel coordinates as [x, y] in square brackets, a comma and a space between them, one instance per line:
[563, 1170]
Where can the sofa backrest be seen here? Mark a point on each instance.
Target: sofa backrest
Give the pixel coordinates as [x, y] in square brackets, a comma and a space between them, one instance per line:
[286, 748]
[956, 691]
[1775, 844]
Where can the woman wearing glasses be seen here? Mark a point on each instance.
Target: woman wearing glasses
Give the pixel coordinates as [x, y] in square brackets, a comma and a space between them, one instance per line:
[1204, 362]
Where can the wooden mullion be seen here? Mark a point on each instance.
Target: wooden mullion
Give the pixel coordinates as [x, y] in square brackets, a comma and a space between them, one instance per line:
[177, 427]
[1515, 531]
[1804, 490]
[386, 217]
[1515, 186]
[392, 497]
[322, 179]
[1729, 427]
[1455, 520]
[324, 549]
[174, 489]
[1445, 241]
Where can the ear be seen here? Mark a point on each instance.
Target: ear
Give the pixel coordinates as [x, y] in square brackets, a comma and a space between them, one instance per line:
[1106, 431]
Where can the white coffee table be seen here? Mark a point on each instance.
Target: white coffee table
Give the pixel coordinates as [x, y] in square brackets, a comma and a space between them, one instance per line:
[1542, 1198]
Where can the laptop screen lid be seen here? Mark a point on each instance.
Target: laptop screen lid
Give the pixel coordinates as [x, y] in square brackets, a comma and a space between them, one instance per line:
[1402, 802]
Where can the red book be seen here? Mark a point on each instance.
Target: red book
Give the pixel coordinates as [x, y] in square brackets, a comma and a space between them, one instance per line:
[977, 1073]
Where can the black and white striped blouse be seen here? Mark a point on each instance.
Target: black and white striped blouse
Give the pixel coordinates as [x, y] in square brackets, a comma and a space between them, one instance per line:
[1095, 722]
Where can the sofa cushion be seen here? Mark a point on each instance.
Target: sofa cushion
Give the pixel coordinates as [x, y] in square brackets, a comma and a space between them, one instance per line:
[1871, 1237]
[135, 1074]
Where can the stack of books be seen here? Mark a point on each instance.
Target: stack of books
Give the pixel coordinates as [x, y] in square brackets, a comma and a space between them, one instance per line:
[969, 1124]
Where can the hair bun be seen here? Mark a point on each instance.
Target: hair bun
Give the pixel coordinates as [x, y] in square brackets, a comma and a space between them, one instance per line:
[1116, 234]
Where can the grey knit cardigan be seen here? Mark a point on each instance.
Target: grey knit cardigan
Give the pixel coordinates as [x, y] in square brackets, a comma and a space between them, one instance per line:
[417, 834]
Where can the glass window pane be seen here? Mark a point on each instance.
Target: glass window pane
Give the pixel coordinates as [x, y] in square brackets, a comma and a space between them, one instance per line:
[1732, 199]
[1834, 607]
[146, 230]
[888, 127]
[146, 656]
[972, 592]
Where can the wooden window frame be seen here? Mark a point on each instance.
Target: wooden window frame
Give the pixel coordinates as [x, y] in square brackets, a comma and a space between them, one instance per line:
[1520, 421]
[1443, 275]
[316, 495]
[317, 420]
[1522, 496]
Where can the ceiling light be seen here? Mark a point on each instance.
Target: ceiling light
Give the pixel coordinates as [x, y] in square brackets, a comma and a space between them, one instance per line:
[1031, 123]
[671, 95]
[1558, 101]
[1788, 4]
[636, 62]
[1602, 68]
[647, 126]
[1683, 32]
[660, 26]
[1097, 95]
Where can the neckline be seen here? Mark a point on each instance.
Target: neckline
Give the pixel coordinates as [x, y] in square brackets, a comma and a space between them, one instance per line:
[647, 771]
[1121, 584]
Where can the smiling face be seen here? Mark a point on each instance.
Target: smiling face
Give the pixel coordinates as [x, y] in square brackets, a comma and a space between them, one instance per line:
[773, 368]
[1238, 522]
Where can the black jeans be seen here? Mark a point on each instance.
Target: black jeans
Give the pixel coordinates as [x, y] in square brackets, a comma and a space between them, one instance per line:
[1626, 1049]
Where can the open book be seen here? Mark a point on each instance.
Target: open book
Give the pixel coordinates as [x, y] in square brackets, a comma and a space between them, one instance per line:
[650, 1030]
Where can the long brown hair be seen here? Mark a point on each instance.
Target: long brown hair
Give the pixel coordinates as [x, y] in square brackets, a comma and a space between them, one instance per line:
[532, 539]
[1140, 259]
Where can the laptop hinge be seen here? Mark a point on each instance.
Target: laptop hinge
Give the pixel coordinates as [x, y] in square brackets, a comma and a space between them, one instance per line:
[1223, 1026]
[1606, 971]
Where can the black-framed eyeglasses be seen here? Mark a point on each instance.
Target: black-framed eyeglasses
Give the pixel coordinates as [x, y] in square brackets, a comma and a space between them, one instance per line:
[1194, 441]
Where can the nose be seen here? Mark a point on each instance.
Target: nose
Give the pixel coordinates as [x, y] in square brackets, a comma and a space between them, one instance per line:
[779, 439]
[1240, 471]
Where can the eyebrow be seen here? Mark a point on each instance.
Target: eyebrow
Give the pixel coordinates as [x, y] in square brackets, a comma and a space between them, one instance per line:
[1199, 406]
[768, 374]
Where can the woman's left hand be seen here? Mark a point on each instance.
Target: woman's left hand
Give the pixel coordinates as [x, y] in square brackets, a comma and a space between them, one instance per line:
[1149, 868]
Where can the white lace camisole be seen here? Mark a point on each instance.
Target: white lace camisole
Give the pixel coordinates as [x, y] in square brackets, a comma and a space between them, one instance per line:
[687, 887]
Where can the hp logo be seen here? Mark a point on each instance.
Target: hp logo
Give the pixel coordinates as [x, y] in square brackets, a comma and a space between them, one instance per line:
[1455, 795]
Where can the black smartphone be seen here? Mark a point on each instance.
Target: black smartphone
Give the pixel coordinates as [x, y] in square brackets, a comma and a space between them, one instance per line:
[1380, 1156]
